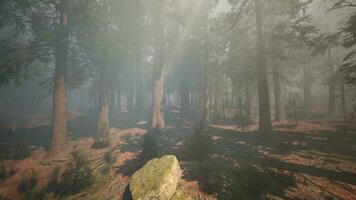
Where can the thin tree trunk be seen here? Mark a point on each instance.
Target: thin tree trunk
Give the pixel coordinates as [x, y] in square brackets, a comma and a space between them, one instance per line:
[277, 93]
[343, 100]
[248, 103]
[157, 118]
[60, 118]
[265, 125]
[102, 130]
[307, 90]
[241, 111]
[184, 100]
[204, 86]
[119, 100]
[139, 91]
[223, 103]
[331, 109]
[130, 97]
[112, 99]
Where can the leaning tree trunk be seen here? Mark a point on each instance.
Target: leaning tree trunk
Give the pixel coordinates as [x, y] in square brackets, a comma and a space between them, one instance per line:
[102, 130]
[307, 90]
[265, 125]
[60, 118]
[157, 118]
[277, 93]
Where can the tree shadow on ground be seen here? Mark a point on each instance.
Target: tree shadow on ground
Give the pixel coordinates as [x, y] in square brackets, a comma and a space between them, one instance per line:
[240, 167]
[131, 166]
[245, 149]
[17, 145]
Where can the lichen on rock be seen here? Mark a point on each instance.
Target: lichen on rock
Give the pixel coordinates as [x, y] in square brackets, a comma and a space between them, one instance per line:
[156, 180]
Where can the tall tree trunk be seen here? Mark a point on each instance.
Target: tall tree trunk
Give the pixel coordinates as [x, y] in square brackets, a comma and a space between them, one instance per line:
[277, 93]
[131, 91]
[307, 83]
[60, 118]
[112, 98]
[204, 85]
[223, 103]
[157, 118]
[119, 100]
[248, 103]
[130, 97]
[242, 115]
[102, 130]
[139, 90]
[184, 100]
[331, 85]
[265, 125]
[343, 100]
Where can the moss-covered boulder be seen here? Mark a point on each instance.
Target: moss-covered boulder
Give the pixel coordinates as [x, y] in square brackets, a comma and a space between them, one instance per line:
[156, 180]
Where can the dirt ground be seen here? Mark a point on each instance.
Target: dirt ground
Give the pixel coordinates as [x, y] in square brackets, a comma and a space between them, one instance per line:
[315, 160]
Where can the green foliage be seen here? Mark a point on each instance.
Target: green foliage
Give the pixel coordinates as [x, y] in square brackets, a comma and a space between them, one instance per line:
[98, 144]
[53, 184]
[27, 184]
[109, 158]
[247, 183]
[35, 194]
[151, 147]
[211, 176]
[293, 109]
[199, 145]
[77, 176]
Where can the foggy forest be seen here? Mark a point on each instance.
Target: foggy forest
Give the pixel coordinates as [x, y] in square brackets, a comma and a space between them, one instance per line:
[177, 99]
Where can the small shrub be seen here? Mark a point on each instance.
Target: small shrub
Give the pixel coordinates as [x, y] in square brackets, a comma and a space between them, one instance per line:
[109, 158]
[37, 194]
[211, 175]
[199, 146]
[27, 184]
[77, 176]
[251, 183]
[105, 170]
[294, 110]
[100, 144]
[151, 147]
[53, 184]
[242, 119]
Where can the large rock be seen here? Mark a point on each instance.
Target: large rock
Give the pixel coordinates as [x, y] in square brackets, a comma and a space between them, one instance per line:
[157, 180]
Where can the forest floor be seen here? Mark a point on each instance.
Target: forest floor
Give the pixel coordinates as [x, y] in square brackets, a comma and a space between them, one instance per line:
[315, 160]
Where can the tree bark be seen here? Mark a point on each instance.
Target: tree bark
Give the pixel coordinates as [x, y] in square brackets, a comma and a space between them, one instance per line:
[60, 118]
[307, 92]
[277, 93]
[343, 100]
[102, 130]
[248, 103]
[204, 85]
[139, 90]
[331, 84]
[157, 118]
[265, 125]
[184, 100]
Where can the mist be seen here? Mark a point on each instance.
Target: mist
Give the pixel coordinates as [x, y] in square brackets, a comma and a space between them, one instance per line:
[167, 99]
